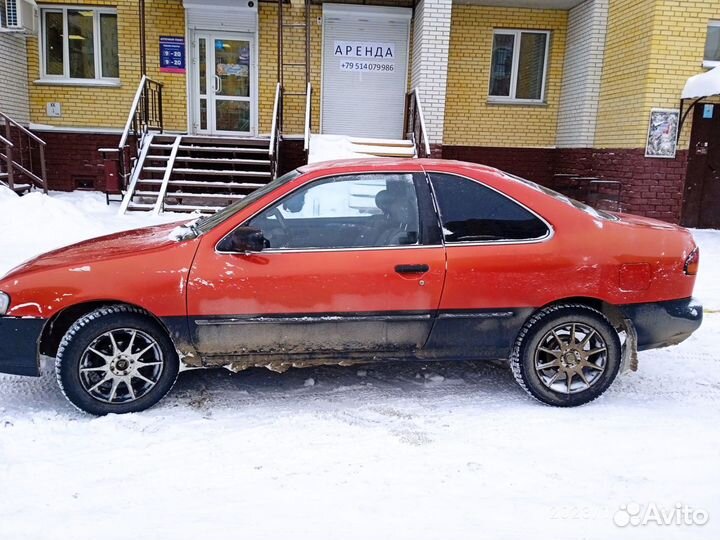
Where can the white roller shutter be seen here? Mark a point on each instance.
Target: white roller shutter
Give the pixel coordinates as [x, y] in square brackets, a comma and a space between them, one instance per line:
[219, 15]
[363, 95]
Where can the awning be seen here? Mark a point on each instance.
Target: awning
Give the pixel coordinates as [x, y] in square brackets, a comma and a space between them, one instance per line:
[703, 85]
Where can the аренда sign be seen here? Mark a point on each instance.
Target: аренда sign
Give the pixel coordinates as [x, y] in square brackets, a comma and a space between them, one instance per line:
[365, 56]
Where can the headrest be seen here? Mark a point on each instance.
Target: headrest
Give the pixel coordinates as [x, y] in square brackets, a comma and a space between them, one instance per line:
[383, 200]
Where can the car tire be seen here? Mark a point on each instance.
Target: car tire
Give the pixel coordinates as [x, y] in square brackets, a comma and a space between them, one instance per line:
[116, 359]
[566, 355]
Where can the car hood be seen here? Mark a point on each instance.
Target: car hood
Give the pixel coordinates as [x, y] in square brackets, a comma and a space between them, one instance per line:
[103, 248]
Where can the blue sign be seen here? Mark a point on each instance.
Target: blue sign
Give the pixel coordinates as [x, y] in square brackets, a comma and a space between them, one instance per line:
[172, 54]
[708, 110]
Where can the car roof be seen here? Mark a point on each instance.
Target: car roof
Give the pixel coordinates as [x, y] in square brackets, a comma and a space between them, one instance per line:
[374, 164]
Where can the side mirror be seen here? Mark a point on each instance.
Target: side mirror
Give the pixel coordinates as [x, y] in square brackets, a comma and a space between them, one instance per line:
[242, 240]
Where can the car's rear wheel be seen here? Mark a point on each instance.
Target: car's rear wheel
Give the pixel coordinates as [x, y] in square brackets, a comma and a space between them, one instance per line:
[116, 359]
[566, 355]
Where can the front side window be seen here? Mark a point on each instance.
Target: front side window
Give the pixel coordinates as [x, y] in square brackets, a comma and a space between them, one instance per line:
[519, 61]
[79, 44]
[712, 45]
[472, 212]
[355, 211]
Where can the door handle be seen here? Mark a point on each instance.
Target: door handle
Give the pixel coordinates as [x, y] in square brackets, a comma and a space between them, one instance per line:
[218, 84]
[412, 268]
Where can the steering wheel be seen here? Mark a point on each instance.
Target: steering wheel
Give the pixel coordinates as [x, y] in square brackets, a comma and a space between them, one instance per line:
[280, 219]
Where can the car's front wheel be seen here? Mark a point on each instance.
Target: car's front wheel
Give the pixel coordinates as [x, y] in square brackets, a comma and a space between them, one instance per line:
[116, 359]
[566, 355]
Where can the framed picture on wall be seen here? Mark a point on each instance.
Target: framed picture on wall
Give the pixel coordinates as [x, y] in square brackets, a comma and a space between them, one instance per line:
[662, 133]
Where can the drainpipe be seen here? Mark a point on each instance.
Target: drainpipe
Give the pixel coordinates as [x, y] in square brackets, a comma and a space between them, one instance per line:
[143, 46]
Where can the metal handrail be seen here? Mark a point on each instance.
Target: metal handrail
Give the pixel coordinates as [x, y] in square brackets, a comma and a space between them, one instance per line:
[23, 164]
[4, 141]
[133, 111]
[275, 119]
[415, 124]
[146, 112]
[275, 134]
[423, 129]
[23, 129]
[308, 119]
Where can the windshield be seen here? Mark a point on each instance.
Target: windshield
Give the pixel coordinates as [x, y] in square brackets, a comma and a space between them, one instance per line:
[210, 222]
[600, 214]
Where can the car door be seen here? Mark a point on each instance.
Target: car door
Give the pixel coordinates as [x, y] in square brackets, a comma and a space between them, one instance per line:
[349, 267]
[498, 258]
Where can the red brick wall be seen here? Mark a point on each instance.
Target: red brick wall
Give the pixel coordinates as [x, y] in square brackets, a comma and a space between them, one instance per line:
[292, 155]
[535, 164]
[651, 187]
[74, 157]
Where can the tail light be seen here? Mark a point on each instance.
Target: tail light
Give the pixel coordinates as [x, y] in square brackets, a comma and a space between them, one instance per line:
[692, 262]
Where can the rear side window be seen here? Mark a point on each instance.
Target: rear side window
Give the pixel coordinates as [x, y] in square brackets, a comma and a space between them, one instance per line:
[472, 212]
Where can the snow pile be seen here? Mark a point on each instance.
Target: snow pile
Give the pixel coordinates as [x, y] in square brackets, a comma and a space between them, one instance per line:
[7, 194]
[707, 286]
[36, 223]
[332, 147]
[452, 450]
[703, 85]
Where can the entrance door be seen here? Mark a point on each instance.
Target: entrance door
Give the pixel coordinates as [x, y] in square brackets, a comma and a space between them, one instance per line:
[701, 205]
[224, 83]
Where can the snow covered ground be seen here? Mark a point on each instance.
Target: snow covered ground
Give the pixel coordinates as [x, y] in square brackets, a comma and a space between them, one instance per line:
[412, 451]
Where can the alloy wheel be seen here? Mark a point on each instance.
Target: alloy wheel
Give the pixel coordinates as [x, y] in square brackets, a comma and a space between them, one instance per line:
[571, 358]
[121, 366]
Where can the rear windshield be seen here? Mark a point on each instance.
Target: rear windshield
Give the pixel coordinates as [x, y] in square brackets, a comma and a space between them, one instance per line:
[599, 214]
[208, 223]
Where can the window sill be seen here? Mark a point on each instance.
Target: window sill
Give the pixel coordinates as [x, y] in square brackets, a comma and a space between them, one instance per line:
[711, 63]
[79, 82]
[517, 102]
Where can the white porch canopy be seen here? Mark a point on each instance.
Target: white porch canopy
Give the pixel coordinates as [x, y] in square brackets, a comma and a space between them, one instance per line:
[703, 85]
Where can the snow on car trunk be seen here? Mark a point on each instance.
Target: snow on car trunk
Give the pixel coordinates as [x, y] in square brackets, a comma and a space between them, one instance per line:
[418, 451]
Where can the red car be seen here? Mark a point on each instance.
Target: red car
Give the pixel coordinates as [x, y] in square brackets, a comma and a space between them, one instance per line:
[354, 262]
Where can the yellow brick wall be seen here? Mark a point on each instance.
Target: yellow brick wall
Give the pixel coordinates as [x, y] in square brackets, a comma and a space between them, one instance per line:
[653, 46]
[294, 47]
[678, 47]
[469, 118]
[91, 106]
[622, 118]
[100, 107]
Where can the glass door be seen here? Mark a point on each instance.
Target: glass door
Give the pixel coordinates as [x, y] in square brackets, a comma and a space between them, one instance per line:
[224, 84]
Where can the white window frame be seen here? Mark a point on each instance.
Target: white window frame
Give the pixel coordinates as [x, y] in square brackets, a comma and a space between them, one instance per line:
[515, 65]
[65, 78]
[710, 63]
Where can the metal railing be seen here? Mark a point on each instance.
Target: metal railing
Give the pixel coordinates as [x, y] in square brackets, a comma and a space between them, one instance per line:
[24, 155]
[415, 130]
[308, 122]
[275, 133]
[146, 114]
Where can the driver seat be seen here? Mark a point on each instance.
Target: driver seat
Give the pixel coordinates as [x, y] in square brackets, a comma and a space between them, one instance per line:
[398, 224]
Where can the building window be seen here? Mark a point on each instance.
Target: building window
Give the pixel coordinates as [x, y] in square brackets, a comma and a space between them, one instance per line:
[712, 45]
[519, 65]
[79, 44]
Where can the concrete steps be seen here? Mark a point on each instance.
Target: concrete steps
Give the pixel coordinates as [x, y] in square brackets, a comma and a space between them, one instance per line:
[182, 173]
